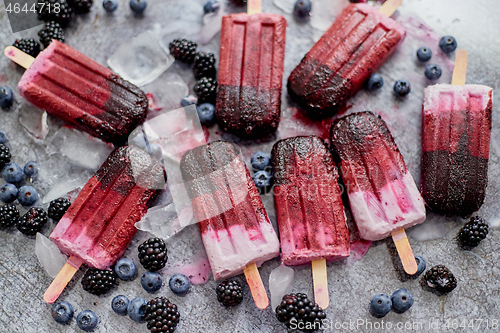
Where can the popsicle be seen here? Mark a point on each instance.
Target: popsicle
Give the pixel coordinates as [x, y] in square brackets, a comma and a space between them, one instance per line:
[83, 93]
[100, 223]
[234, 225]
[382, 193]
[357, 44]
[456, 130]
[252, 51]
[309, 208]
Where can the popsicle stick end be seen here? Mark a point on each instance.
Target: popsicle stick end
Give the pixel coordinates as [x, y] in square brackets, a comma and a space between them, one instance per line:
[320, 280]
[460, 70]
[254, 7]
[256, 286]
[404, 250]
[389, 7]
[18, 56]
[63, 277]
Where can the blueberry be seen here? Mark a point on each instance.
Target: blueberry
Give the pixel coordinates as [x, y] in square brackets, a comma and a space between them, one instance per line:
[402, 300]
[420, 264]
[31, 169]
[448, 44]
[62, 312]
[138, 6]
[375, 82]
[87, 320]
[260, 160]
[380, 305]
[3, 137]
[211, 6]
[12, 173]
[6, 97]
[151, 282]
[262, 180]
[110, 5]
[424, 54]
[189, 100]
[27, 195]
[432, 72]
[302, 8]
[136, 309]
[206, 113]
[8, 193]
[119, 304]
[125, 269]
[179, 284]
[402, 87]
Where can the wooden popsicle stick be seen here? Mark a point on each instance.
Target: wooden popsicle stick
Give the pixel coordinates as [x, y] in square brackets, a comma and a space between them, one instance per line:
[460, 69]
[256, 286]
[404, 250]
[18, 56]
[320, 281]
[254, 7]
[389, 7]
[63, 277]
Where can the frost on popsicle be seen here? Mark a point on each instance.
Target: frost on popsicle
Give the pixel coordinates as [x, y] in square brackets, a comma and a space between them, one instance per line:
[49, 256]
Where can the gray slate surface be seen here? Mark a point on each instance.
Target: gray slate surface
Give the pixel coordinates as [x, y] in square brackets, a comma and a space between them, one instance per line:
[23, 281]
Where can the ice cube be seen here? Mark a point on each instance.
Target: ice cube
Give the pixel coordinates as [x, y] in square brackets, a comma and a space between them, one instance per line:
[166, 92]
[82, 149]
[48, 255]
[212, 24]
[285, 5]
[140, 60]
[65, 186]
[323, 13]
[175, 131]
[34, 121]
[280, 284]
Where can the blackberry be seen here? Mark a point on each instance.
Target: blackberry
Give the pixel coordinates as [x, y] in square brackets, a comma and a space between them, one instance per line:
[5, 155]
[206, 89]
[28, 45]
[473, 232]
[298, 311]
[183, 50]
[153, 254]
[9, 215]
[229, 293]
[55, 10]
[81, 6]
[204, 65]
[239, 2]
[58, 207]
[52, 30]
[161, 315]
[98, 281]
[32, 222]
[439, 279]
